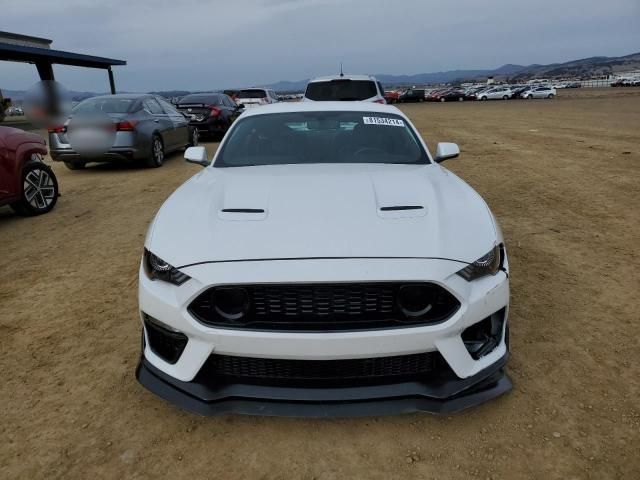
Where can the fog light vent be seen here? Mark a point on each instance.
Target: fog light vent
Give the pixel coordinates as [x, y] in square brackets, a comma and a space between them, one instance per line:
[483, 337]
[167, 344]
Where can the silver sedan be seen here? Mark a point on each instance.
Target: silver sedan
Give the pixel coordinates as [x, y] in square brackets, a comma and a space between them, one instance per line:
[124, 127]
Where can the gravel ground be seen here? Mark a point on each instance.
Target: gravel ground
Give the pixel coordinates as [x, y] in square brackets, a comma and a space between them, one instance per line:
[562, 176]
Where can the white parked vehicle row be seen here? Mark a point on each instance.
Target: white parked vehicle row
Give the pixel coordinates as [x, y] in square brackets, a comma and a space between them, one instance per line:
[324, 263]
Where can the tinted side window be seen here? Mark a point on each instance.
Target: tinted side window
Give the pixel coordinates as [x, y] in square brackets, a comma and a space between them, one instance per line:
[152, 106]
[167, 107]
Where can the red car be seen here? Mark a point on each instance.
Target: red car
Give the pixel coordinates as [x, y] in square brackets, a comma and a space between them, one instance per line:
[26, 183]
[391, 96]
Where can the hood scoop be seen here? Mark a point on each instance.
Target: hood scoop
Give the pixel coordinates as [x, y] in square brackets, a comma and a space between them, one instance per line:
[242, 214]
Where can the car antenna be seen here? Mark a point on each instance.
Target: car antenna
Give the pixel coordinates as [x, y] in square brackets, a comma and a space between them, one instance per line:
[341, 74]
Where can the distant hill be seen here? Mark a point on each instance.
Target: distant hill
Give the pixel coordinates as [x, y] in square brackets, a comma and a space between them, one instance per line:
[586, 67]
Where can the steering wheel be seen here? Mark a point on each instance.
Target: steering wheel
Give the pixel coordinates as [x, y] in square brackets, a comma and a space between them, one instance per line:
[363, 150]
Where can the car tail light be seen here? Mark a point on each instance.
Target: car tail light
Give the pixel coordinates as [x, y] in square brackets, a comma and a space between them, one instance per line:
[58, 129]
[126, 125]
[214, 111]
[382, 101]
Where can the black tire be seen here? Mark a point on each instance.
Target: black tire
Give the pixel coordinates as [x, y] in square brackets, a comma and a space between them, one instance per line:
[194, 137]
[156, 158]
[484, 99]
[505, 97]
[74, 165]
[39, 190]
[550, 96]
[442, 99]
[421, 100]
[461, 99]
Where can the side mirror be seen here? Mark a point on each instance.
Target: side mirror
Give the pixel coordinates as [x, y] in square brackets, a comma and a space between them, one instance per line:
[446, 150]
[197, 155]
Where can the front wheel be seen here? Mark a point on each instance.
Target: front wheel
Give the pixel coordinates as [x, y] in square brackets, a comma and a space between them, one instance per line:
[484, 99]
[39, 190]
[157, 152]
[529, 97]
[505, 97]
[461, 99]
[550, 95]
[442, 99]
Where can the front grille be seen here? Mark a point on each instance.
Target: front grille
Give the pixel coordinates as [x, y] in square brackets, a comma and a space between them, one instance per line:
[324, 307]
[232, 369]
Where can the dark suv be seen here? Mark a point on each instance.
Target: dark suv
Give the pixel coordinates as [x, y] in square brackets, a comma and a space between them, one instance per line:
[412, 95]
[210, 113]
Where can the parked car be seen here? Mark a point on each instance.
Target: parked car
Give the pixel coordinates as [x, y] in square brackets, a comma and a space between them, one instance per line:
[391, 96]
[255, 97]
[27, 184]
[412, 95]
[495, 93]
[516, 90]
[539, 92]
[246, 307]
[451, 95]
[147, 127]
[209, 113]
[344, 88]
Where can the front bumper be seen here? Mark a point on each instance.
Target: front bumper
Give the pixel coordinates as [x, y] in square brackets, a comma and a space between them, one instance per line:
[445, 396]
[468, 381]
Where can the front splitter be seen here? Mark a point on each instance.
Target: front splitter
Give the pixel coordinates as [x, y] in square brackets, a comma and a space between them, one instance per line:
[390, 399]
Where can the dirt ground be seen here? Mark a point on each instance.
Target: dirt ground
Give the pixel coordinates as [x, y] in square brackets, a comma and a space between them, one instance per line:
[562, 177]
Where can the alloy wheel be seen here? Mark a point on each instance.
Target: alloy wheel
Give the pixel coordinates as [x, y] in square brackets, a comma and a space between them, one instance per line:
[39, 189]
[158, 151]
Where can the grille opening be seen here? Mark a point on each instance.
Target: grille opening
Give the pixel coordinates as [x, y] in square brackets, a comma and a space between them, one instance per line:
[243, 210]
[328, 307]
[401, 207]
[483, 337]
[165, 343]
[321, 373]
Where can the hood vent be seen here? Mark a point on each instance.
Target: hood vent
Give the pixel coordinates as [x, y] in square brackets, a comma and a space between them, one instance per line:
[397, 208]
[242, 214]
[242, 210]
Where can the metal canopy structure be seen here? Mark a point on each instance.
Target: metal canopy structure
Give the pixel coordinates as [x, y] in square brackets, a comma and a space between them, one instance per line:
[24, 48]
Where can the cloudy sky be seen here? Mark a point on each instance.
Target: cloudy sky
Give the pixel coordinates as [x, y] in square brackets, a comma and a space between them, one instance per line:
[211, 44]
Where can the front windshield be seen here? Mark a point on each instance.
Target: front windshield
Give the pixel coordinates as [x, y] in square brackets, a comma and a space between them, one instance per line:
[321, 137]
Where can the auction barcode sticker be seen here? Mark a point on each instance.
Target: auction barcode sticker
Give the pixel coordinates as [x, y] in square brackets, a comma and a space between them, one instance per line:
[393, 122]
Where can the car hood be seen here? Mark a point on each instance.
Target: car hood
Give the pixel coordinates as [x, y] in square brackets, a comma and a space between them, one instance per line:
[322, 211]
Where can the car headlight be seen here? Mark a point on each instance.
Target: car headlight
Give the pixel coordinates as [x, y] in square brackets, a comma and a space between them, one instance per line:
[157, 268]
[488, 264]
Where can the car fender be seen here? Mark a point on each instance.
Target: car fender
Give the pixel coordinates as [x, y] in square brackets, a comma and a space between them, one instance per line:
[23, 154]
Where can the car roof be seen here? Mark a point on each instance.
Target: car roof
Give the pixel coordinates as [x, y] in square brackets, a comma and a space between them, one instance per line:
[342, 77]
[292, 107]
[131, 96]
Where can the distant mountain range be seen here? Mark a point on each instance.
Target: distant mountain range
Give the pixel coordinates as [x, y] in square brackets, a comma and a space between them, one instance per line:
[586, 67]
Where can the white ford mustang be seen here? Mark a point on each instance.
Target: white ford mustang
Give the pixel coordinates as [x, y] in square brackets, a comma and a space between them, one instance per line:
[324, 264]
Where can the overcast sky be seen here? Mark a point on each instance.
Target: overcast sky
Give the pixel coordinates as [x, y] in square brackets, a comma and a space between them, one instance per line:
[207, 44]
